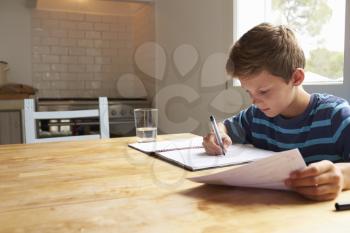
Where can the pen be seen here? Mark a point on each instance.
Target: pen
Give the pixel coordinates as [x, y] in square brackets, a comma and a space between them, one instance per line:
[340, 207]
[216, 132]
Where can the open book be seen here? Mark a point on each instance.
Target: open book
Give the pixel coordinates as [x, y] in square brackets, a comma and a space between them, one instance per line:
[190, 154]
[268, 173]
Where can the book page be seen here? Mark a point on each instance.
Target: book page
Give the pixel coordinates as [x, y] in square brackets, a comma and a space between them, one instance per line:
[196, 159]
[269, 172]
[158, 146]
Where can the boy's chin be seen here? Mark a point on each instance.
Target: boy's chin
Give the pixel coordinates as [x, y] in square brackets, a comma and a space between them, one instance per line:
[270, 114]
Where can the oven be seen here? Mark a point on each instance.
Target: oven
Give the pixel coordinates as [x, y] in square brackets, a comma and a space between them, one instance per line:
[120, 110]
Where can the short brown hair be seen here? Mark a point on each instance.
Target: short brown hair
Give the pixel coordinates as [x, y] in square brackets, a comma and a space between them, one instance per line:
[266, 47]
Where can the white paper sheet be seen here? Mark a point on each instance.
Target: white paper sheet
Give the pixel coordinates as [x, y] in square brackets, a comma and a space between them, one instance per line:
[269, 172]
[196, 159]
[159, 146]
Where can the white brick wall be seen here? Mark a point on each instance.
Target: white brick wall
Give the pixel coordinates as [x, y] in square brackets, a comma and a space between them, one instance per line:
[82, 55]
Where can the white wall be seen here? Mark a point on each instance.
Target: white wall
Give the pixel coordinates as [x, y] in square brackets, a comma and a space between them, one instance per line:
[15, 40]
[184, 102]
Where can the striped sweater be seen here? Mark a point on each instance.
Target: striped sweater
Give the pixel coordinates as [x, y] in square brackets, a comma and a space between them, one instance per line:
[322, 132]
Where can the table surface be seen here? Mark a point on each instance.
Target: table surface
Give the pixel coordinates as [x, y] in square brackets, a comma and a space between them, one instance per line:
[105, 186]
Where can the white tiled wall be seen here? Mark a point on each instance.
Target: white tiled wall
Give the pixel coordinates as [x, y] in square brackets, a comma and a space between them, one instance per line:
[144, 30]
[83, 55]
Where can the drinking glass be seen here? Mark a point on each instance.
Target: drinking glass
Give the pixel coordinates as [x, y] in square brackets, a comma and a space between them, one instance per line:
[146, 121]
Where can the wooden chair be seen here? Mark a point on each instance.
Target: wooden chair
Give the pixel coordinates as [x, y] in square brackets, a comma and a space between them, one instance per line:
[30, 116]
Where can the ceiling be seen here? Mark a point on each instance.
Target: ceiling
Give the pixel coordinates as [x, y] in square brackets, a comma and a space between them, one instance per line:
[110, 7]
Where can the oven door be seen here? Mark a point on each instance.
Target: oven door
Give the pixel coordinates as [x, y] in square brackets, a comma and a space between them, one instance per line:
[67, 127]
[122, 127]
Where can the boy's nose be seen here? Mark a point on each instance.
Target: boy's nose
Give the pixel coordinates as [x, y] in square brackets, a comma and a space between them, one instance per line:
[255, 100]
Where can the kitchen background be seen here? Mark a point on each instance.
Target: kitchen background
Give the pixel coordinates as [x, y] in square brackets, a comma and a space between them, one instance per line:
[86, 48]
[84, 54]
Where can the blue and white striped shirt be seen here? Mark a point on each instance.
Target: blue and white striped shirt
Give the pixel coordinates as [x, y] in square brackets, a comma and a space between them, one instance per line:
[322, 132]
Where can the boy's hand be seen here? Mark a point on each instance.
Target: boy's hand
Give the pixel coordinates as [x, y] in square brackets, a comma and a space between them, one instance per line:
[319, 181]
[212, 147]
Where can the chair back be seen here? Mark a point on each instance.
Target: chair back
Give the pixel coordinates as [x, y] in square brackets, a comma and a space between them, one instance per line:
[30, 116]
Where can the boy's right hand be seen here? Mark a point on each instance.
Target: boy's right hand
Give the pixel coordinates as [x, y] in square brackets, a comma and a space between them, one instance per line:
[212, 147]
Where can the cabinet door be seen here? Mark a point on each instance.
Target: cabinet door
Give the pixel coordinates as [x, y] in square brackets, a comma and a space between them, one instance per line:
[10, 127]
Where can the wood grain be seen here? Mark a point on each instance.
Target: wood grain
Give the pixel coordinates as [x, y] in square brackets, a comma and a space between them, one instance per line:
[105, 186]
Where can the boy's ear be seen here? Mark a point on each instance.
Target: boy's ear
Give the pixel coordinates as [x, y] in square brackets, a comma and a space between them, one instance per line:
[298, 76]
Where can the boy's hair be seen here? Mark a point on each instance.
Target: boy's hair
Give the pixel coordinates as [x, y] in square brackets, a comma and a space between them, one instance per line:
[266, 47]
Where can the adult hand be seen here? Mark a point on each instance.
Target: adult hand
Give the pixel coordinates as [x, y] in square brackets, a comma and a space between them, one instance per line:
[319, 181]
[211, 145]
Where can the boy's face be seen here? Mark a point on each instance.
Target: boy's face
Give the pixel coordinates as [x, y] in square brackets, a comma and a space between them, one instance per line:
[271, 94]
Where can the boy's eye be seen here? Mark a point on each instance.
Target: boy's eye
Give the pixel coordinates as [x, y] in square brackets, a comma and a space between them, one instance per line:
[262, 92]
[258, 93]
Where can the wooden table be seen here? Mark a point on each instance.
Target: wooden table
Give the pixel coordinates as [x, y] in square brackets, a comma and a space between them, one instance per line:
[104, 186]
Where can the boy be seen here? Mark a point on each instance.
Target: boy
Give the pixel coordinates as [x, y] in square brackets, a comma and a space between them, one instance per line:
[270, 66]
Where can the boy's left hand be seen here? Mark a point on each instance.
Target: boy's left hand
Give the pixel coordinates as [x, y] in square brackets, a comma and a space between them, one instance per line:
[319, 181]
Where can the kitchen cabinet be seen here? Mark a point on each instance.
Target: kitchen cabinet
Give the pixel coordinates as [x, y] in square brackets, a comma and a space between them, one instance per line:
[11, 120]
[12, 97]
[10, 127]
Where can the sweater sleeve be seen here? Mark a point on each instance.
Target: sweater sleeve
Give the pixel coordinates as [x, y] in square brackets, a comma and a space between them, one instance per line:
[238, 126]
[341, 130]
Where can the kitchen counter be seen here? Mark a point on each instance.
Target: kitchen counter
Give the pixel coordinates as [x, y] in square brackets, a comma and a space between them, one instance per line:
[13, 91]
[13, 101]
[14, 104]
[16, 96]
